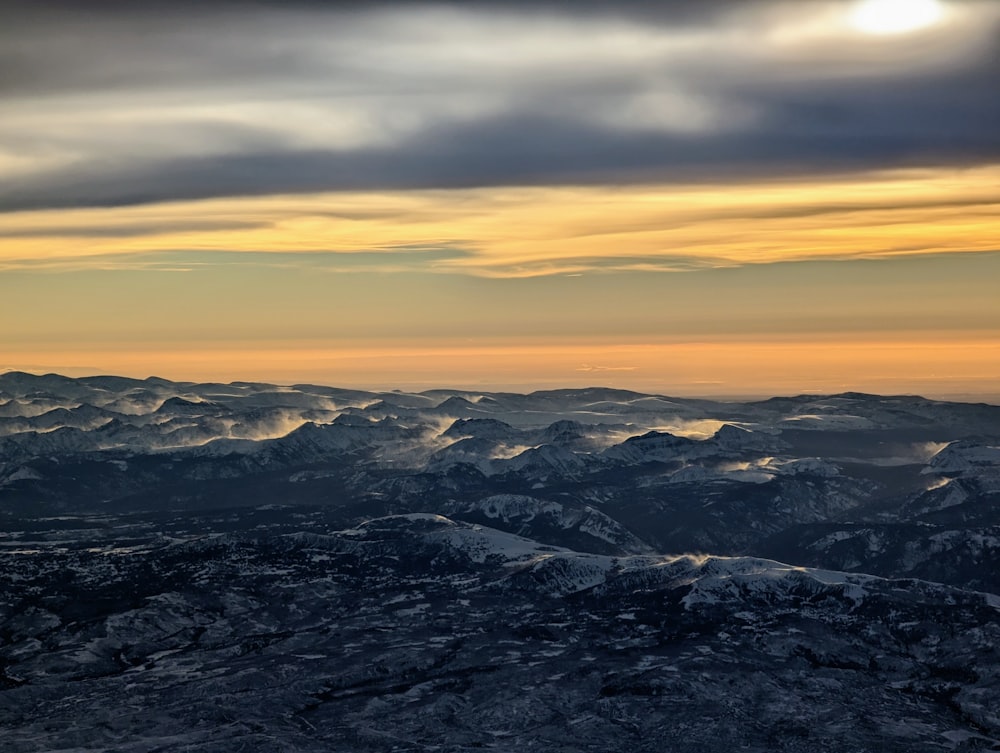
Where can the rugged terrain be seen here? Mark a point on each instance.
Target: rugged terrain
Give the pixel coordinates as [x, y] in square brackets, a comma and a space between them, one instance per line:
[254, 567]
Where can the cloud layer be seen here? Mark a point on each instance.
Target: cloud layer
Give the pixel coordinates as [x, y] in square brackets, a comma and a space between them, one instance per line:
[117, 103]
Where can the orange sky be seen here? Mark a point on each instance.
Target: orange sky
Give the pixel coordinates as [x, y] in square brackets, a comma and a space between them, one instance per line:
[512, 232]
[878, 282]
[951, 367]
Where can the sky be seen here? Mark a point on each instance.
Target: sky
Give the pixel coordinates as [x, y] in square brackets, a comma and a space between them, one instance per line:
[717, 197]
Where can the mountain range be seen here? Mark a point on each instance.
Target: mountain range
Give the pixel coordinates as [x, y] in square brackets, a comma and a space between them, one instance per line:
[250, 566]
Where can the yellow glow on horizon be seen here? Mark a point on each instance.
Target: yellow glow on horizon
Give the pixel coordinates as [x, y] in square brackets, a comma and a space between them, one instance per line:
[364, 326]
[528, 231]
[932, 364]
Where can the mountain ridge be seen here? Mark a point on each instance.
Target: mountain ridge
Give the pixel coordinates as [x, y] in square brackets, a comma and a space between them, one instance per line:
[210, 566]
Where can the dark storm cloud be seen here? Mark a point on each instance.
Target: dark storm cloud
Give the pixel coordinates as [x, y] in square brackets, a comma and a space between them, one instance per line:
[125, 103]
[524, 149]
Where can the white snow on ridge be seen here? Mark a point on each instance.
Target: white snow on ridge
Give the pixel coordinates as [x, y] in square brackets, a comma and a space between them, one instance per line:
[962, 456]
[481, 544]
[810, 466]
[826, 421]
[722, 580]
[557, 570]
[429, 516]
[742, 472]
[507, 507]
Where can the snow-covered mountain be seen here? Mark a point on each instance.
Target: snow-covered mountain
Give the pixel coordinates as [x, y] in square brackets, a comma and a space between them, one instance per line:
[418, 629]
[263, 567]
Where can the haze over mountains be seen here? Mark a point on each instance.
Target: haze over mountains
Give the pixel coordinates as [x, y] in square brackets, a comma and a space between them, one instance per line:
[210, 566]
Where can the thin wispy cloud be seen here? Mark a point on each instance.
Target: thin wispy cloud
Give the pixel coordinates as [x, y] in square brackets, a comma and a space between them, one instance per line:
[535, 231]
[110, 230]
[385, 260]
[598, 369]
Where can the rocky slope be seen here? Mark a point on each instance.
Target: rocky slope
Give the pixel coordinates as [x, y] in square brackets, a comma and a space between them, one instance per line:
[221, 567]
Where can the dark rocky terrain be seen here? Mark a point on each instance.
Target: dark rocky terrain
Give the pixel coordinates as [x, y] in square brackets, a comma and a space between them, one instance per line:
[211, 567]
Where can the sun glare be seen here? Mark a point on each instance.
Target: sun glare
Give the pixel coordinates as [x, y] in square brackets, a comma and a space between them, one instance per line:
[895, 16]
